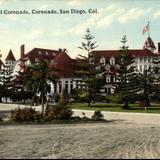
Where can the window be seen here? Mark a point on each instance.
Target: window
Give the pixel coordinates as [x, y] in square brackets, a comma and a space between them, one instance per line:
[109, 90]
[39, 52]
[55, 88]
[103, 61]
[66, 87]
[140, 68]
[60, 87]
[107, 79]
[140, 60]
[71, 87]
[107, 67]
[112, 61]
[146, 59]
[91, 61]
[145, 67]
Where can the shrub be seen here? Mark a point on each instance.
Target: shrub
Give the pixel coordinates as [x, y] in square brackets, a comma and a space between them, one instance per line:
[98, 116]
[25, 115]
[84, 118]
[58, 112]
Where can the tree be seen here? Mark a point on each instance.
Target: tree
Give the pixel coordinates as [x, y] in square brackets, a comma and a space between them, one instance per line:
[145, 81]
[156, 81]
[6, 78]
[89, 45]
[126, 74]
[19, 91]
[36, 80]
[93, 73]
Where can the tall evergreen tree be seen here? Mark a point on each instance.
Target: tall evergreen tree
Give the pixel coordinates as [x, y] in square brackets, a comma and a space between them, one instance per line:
[145, 82]
[93, 74]
[156, 74]
[126, 74]
[6, 77]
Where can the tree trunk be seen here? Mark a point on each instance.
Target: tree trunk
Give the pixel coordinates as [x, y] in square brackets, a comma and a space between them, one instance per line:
[24, 100]
[147, 102]
[43, 107]
[146, 99]
[125, 106]
[89, 103]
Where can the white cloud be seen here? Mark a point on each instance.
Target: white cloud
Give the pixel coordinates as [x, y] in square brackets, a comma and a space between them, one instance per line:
[96, 20]
[44, 7]
[2, 1]
[74, 2]
[35, 34]
[156, 14]
[132, 14]
[105, 21]
[12, 17]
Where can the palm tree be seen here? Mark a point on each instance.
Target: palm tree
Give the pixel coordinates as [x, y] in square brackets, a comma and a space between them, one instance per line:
[36, 80]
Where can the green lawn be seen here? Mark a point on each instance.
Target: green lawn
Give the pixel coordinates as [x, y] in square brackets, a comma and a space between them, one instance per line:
[116, 107]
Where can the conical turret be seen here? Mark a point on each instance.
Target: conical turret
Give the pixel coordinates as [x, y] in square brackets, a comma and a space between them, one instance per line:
[149, 44]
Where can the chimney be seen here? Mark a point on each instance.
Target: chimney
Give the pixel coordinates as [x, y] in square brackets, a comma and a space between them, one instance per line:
[158, 47]
[22, 64]
[22, 51]
[60, 50]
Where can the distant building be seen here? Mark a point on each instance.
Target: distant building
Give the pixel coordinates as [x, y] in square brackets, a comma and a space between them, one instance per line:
[68, 79]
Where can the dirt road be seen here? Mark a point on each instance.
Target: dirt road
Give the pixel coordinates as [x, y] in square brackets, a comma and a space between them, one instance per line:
[128, 135]
[118, 139]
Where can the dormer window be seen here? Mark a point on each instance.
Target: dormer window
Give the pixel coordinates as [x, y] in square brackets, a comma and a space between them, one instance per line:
[108, 79]
[107, 67]
[36, 60]
[103, 61]
[39, 52]
[54, 54]
[112, 61]
[47, 53]
[91, 61]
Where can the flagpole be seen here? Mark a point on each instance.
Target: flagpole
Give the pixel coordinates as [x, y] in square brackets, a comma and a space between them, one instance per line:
[149, 29]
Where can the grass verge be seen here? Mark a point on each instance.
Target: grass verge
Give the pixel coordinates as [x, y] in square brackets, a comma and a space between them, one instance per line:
[134, 108]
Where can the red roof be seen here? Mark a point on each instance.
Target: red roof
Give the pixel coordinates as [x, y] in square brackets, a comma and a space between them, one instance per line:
[65, 65]
[116, 53]
[10, 56]
[40, 54]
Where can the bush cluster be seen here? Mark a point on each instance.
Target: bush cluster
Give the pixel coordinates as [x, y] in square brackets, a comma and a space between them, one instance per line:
[53, 113]
[25, 115]
[98, 116]
[58, 112]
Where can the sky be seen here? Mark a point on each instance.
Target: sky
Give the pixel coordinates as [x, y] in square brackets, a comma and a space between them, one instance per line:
[113, 19]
